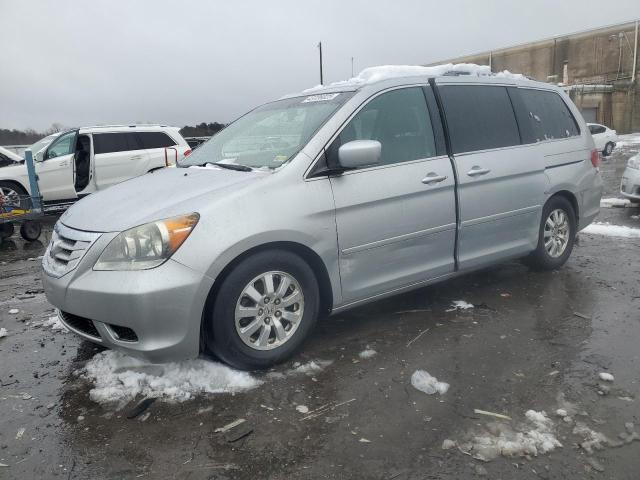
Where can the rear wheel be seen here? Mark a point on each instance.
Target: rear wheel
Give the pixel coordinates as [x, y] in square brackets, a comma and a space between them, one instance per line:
[556, 235]
[608, 149]
[264, 310]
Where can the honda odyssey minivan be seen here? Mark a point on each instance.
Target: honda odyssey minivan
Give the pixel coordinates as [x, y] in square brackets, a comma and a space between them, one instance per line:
[323, 201]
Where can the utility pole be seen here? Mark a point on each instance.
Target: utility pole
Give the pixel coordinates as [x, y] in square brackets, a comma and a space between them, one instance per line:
[320, 47]
[351, 67]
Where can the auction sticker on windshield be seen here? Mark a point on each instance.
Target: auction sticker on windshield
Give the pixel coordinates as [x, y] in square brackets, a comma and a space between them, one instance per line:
[325, 97]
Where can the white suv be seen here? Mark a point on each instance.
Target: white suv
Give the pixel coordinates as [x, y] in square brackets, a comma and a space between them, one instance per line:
[81, 161]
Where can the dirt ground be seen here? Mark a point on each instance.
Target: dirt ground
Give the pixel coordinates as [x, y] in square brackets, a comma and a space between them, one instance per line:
[533, 341]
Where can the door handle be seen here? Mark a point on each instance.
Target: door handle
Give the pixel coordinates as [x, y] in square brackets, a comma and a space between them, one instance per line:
[137, 157]
[433, 178]
[476, 171]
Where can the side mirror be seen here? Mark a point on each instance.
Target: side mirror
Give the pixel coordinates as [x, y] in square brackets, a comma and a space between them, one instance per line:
[39, 157]
[359, 153]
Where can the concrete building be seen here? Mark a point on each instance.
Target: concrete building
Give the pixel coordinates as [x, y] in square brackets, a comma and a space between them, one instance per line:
[599, 69]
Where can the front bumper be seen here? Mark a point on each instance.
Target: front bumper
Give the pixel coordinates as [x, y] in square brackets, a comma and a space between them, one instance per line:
[160, 309]
[630, 184]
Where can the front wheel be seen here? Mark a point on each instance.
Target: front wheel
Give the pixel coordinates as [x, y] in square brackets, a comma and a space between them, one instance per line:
[264, 310]
[556, 235]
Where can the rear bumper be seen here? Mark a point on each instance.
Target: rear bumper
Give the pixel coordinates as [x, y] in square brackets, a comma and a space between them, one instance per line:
[630, 184]
[154, 314]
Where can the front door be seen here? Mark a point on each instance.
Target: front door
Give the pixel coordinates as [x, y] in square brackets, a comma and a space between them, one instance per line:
[55, 171]
[396, 221]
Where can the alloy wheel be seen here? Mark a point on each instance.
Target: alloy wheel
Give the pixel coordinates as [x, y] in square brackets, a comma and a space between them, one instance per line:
[556, 233]
[269, 310]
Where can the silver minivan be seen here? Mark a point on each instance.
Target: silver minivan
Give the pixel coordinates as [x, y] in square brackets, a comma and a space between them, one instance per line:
[320, 202]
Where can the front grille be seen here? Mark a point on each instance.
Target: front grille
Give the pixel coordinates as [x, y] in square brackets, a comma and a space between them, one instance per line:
[124, 334]
[66, 249]
[81, 324]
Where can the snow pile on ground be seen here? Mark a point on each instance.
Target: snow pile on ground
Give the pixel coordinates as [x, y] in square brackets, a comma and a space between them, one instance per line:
[3, 332]
[427, 383]
[533, 437]
[614, 202]
[119, 378]
[612, 230]
[368, 353]
[384, 72]
[309, 368]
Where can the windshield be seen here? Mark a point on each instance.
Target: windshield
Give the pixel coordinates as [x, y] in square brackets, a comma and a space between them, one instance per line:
[270, 135]
[40, 144]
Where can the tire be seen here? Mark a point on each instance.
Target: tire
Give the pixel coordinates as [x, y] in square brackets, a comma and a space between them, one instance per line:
[15, 193]
[542, 258]
[6, 230]
[608, 149]
[259, 349]
[30, 230]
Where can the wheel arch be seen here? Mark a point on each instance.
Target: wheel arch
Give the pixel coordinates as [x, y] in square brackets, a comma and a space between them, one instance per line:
[307, 254]
[15, 183]
[570, 196]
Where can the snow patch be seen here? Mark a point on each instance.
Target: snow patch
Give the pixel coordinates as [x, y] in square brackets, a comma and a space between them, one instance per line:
[614, 202]
[385, 72]
[302, 408]
[612, 230]
[55, 323]
[3, 332]
[13, 311]
[533, 437]
[628, 140]
[368, 353]
[309, 368]
[607, 377]
[425, 382]
[119, 378]
[460, 305]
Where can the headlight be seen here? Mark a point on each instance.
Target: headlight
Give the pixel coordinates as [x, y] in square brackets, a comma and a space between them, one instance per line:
[634, 162]
[146, 246]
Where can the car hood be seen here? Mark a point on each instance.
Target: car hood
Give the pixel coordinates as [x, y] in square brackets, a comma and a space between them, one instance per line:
[160, 194]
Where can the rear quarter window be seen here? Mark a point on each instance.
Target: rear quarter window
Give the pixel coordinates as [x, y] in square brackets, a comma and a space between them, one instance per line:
[479, 117]
[543, 115]
[155, 140]
[114, 142]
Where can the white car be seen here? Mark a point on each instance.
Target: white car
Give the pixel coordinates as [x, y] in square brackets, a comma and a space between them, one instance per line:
[7, 157]
[604, 138]
[630, 183]
[77, 162]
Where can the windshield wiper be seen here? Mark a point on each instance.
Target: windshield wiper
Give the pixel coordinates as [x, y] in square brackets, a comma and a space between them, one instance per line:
[231, 166]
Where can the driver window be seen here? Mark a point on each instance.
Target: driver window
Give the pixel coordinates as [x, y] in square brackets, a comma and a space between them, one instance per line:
[399, 120]
[63, 145]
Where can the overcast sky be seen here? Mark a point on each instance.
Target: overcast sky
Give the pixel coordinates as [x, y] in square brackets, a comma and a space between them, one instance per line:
[185, 62]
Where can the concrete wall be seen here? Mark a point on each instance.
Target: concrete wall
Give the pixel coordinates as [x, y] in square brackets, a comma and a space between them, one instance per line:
[597, 57]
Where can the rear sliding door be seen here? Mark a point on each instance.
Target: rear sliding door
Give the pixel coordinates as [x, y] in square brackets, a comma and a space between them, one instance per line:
[502, 182]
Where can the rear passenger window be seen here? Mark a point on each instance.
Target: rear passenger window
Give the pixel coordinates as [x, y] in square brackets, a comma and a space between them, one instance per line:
[543, 115]
[399, 120]
[155, 140]
[479, 117]
[114, 142]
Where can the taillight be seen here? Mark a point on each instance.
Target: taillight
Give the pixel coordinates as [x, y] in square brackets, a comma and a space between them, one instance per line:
[187, 152]
[595, 158]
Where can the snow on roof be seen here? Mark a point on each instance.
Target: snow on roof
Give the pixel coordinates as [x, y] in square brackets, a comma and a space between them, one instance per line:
[385, 72]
